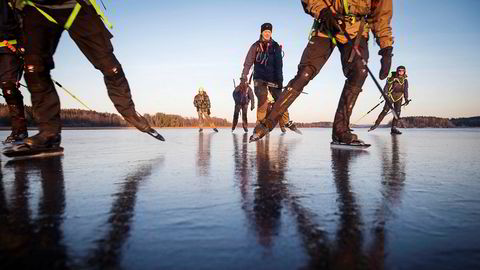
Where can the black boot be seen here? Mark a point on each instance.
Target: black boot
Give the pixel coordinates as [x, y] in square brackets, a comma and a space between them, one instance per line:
[215, 129]
[282, 128]
[44, 139]
[16, 136]
[395, 131]
[245, 129]
[341, 131]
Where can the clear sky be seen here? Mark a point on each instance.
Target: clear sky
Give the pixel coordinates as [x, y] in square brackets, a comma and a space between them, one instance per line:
[170, 48]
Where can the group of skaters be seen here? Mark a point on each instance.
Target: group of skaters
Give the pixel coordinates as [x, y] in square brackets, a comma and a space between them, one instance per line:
[343, 24]
[30, 32]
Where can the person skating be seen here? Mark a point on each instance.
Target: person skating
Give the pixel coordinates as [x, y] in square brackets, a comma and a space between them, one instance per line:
[333, 21]
[202, 103]
[242, 97]
[11, 68]
[396, 89]
[43, 25]
[266, 57]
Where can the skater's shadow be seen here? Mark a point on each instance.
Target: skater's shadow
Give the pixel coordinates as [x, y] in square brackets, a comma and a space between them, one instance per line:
[29, 240]
[203, 154]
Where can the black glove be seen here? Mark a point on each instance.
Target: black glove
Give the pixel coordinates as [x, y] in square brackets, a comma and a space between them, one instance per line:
[386, 61]
[328, 22]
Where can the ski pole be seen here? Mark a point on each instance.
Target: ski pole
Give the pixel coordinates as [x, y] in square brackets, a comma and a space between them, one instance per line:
[370, 111]
[72, 95]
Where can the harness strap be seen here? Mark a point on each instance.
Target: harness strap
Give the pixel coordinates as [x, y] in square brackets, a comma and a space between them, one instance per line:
[356, 43]
[8, 43]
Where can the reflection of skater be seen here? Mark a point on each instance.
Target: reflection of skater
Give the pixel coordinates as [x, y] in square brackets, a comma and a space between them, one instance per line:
[202, 103]
[337, 21]
[43, 25]
[266, 57]
[11, 71]
[396, 90]
[242, 96]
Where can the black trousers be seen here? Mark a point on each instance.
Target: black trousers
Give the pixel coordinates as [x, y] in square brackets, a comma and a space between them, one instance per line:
[244, 109]
[10, 73]
[92, 38]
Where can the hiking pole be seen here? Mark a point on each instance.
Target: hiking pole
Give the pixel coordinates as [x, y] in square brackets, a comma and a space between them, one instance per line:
[370, 111]
[72, 95]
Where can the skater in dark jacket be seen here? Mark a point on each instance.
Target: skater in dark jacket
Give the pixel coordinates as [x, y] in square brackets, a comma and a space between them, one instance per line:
[266, 57]
[11, 67]
[43, 24]
[242, 97]
[396, 89]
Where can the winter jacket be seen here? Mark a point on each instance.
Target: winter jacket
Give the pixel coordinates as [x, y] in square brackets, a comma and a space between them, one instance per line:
[9, 26]
[378, 12]
[266, 56]
[243, 97]
[202, 102]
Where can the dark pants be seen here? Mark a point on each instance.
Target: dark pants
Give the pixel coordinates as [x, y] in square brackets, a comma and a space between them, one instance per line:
[10, 73]
[92, 38]
[244, 109]
[261, 90]
[314, 57]
[397, 105]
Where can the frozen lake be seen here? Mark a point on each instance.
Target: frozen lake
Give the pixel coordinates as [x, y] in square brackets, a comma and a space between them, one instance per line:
[120, 199]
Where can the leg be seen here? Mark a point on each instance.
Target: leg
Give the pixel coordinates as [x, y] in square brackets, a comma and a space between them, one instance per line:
[314, 57]
[356, 74]
[261, 91]
[93, 39]
[200, 120]
[398, 107]
[244, 117]
[380, 117]
[41, 40]
[10, 68]
[235, 116]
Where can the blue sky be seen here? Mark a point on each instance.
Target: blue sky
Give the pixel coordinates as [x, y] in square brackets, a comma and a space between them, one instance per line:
[170, 48]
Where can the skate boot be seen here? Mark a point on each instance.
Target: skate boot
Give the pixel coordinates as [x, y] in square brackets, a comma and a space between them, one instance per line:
[16, 136]
[395, 131]
[200, 130]
[373, 127]
[245, 129]
[290, 125]
[345, 138]
[259, 132]
[215, 129]
[44, 139]
[282, 128]
[141, 124]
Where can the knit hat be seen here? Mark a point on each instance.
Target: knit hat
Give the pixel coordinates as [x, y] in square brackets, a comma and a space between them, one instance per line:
[266, 26]
[401, 67]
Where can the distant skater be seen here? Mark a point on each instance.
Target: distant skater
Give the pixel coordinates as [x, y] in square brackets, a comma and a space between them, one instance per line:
[265, 55]
[242, 97]
[396, 89]
[202, 103]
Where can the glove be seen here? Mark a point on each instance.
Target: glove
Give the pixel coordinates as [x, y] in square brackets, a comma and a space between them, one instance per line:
[208, 111]
[386, 61]
[328, 22]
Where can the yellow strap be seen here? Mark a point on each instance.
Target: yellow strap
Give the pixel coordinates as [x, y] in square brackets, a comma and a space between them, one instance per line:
[10, 42]
[72, 16]
[100, 12]
[50, 18]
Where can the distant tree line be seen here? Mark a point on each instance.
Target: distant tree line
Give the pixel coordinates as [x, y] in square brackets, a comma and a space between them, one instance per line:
[424, 122]
[85, 118]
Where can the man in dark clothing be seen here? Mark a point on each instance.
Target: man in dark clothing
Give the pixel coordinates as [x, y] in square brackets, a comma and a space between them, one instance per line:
[266, 57]
[43, 25]
[333, 21]
[242, 96]
[396, 89]
[202, 103]
[11, 66]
